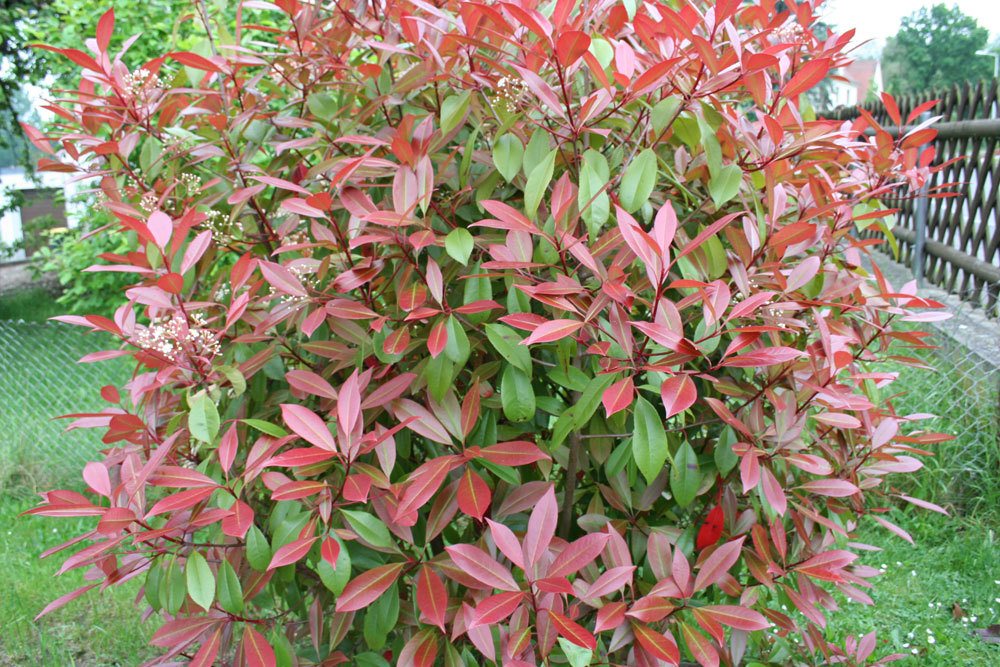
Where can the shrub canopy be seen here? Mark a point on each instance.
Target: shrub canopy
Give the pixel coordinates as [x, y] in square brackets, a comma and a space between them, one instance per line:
[478, 333]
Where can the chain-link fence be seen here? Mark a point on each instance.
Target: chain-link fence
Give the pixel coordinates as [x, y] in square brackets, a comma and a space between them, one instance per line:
[39, 381]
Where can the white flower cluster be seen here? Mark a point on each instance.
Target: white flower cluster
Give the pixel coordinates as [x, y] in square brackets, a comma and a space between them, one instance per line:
[191, 182]
[790, 32]
[141, 81]
[149, 202]
[172, 336]
[220, 226]
[508, 92]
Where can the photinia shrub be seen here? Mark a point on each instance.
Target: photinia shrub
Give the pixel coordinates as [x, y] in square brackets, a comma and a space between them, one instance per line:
[506, 333]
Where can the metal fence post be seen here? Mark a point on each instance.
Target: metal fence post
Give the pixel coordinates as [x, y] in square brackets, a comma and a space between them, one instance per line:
[920, 224]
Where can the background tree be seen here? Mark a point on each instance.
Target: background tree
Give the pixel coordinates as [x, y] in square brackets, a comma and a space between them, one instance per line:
[935, 47]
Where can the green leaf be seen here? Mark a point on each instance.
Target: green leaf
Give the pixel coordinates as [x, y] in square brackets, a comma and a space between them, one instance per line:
[577, 656]
[323, 105]
[335, 578]
[594, 174]
[685, 475]
[266, 427]
[724, 185]
[725, 458]
[368, 527]
[458, 244]
[538, 183]
[381, 617]
[228, 589]
[203, 420]
[200, 580]
[236, 379]
[590, 399]
[602, 50]
[173, 589]
[508, 153]
[535, 152]
[258, 549]
[453, 110]
[638, 181]
[517, 395]
[506, 341]
[663, 112]
[439, 373]
[649, 443]
[457, 348]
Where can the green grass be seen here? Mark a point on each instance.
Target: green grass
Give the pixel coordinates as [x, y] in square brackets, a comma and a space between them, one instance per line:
[954, 562]
[99, 629]
[33, 304]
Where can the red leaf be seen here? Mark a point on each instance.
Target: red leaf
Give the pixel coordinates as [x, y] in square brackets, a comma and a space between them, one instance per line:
[660, 646]
[438, 337]
[473, 495]
[552, 331]
[496, 608]
[329, 551]
[292, 552]
[740, 618]
[482, 567]
[105, 28]
[571, 46]
[181, 631]
[572, 631]
[678, 393]
[239, 520]
[578, 555]
[180, 501]
[610, 616]
[717, 565]
[513, 453]
[773, 492]
[699, 645]
[618, 396]
[807, 77]
[256, 650]
[424, 483]
[228, 446]
[63, 600]
[432, 596]
[308, 425]
[768, 356]
[368, 586]
[541, 528]
[711, 530]
[310, 383]
[835, 488]
[205, 657]
[195, 61]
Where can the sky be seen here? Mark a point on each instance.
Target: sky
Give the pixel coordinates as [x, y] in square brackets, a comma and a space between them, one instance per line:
[879, 19]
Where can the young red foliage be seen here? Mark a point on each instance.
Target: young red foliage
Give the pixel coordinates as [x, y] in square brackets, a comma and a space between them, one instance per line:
[391, 261]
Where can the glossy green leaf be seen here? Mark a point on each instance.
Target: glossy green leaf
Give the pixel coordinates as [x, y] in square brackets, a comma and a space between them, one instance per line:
[203, 420]
[368, 527]
[453, 109]
[228, 589]
[508, 154]
[638, 181]
[725, 184]
[538, 183]
[517, 395]
[258, 549]
[592, 198]
[649, 443]
[200, 580]
[506, 341]
[664, 112]
[685, 475]
[458, 244]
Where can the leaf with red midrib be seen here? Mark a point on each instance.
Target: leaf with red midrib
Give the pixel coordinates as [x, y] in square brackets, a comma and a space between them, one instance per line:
[678, 394]
[308, 425]
[367, 587]
[292, 552]
[552, 331]
[257, 650]
[432, 596]
[482, 567]
[656, 644]
[618, 396]
[573, 631]
[473, 495]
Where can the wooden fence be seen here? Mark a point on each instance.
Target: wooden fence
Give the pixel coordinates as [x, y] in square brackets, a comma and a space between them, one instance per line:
[954, 242]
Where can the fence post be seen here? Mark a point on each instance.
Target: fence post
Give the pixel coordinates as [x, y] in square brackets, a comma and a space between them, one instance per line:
[920, 224]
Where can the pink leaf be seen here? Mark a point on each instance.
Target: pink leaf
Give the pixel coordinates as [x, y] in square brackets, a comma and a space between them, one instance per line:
[308, 425]
[678, 393]
[552, 331]
[618, 396]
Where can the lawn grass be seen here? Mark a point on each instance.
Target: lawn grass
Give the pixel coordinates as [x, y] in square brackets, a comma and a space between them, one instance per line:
[99, 629]
[950, 573]
[33, 304]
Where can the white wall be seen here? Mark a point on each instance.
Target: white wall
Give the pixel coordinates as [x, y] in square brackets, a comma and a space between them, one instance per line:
[10, 221]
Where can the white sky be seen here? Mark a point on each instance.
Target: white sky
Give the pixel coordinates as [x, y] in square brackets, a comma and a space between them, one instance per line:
[879, 19]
